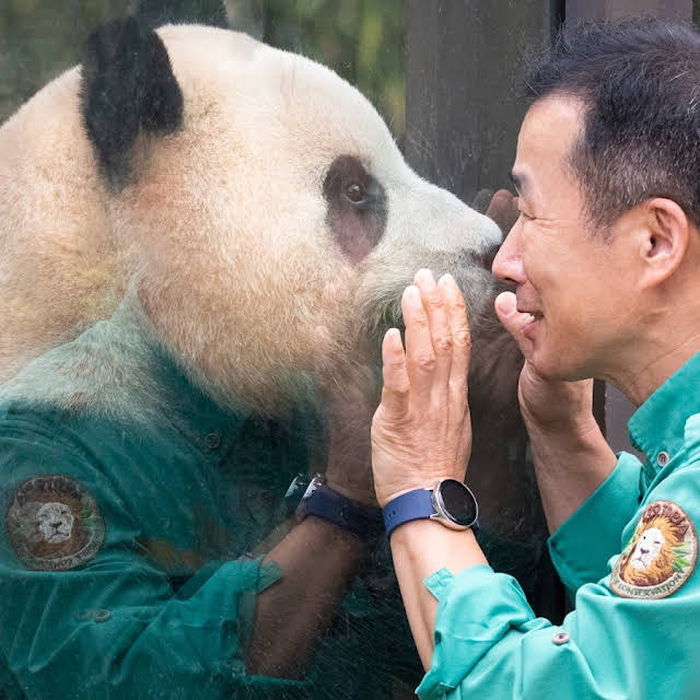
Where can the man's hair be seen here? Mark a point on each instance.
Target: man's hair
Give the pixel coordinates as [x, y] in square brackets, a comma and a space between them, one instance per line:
[639, 82]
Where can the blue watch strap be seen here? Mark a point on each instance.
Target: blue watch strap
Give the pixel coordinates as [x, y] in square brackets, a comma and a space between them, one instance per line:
[323, 502]
[413, 505]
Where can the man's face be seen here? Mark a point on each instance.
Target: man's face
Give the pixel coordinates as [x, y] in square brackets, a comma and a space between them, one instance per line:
[571, 278]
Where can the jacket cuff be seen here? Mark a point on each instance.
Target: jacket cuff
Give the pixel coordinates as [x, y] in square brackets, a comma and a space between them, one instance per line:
[476, 609]
[583, 544]
[220, 606]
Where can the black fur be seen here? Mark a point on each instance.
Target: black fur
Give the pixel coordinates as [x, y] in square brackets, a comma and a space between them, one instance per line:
[357, 207]
[128, 87]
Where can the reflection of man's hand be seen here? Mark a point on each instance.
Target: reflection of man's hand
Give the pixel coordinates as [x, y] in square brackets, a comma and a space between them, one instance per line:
[350, 411]
[421, 431]
[501, 207]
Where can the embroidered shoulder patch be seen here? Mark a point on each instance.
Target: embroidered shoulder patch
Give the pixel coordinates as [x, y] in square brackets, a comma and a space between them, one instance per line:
[660, 556]
[54, 524]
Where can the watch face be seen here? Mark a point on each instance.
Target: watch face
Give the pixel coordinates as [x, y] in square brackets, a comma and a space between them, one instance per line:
[457, 501]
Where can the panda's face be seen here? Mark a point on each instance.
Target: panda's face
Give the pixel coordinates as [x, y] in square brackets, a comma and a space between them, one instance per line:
[283, 208]
[256, 202]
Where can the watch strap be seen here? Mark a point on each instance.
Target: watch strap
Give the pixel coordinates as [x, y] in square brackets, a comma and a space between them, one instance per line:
[323, 502]
[412, 505]
[419, 504]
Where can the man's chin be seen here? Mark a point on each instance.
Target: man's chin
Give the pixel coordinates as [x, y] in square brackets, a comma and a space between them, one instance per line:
[553, 366]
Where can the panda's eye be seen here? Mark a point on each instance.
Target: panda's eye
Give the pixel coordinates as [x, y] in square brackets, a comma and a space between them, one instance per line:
[356, 207]
[355, 193]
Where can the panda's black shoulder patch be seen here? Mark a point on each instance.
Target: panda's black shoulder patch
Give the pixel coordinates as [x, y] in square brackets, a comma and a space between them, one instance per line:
[127, 86]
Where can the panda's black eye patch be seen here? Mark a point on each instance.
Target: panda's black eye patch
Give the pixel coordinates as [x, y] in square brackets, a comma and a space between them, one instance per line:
[357, 209]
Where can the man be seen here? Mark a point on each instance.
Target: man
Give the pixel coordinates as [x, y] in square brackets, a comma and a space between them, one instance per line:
[604, 258]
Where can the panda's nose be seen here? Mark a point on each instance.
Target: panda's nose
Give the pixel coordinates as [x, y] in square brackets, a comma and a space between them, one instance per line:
[643, 551]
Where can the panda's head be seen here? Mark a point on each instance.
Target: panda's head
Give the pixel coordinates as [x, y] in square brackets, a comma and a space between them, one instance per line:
[259, 206]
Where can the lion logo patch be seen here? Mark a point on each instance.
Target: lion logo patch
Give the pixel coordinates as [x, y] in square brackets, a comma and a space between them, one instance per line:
[660, 556]
[54, 524]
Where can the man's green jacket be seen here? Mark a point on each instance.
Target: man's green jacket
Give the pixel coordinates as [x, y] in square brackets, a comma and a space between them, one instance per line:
[629, 554]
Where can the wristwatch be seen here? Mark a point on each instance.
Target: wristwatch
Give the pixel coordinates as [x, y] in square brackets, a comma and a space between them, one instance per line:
[450, 502]
[322, 501]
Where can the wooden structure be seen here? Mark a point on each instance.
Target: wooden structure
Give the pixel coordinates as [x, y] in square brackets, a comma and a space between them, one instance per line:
[464, 77]
[618, 9]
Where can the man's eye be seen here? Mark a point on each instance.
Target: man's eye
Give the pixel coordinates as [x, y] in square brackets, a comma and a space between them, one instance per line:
[525, 216]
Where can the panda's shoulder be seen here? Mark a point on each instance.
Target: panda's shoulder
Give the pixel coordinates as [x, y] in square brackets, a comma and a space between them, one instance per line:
[105, 373]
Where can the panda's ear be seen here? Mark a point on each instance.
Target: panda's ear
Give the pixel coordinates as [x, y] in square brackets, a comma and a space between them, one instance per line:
[127, 86]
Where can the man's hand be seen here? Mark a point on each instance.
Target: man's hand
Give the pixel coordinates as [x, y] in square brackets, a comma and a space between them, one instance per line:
[548, 405]
[503, 209]
[421, 431]
[569, 451]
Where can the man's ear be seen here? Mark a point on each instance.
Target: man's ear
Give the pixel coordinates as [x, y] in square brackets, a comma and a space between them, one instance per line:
[665, 241]
[127, 86]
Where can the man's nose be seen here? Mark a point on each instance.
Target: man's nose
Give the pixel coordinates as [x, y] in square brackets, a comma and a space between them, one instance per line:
[508, 263]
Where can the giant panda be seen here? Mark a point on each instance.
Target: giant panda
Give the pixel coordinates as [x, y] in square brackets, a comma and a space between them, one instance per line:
[202, 241]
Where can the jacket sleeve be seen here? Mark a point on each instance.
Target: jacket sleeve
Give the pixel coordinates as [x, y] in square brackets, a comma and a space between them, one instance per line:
[488, 642]
[111, 627]
[580, 558]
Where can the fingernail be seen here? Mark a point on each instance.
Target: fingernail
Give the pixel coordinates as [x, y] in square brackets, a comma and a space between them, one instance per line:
[447, 279]
[506, 303]
[425, 276]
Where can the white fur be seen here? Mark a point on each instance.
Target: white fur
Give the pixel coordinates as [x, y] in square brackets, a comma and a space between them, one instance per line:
[223, 233]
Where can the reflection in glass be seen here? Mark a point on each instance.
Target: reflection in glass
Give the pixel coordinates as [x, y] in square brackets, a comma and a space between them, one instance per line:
[203, 241]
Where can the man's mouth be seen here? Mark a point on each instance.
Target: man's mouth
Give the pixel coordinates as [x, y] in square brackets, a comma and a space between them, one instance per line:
[534, 315]
[531, 326]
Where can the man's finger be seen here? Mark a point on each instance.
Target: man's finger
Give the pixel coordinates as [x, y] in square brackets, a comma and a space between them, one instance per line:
[461, 338]
[503, 209]
[435, 305]
[420, 357]
[396, 389]
[481, 200]
[514, 321]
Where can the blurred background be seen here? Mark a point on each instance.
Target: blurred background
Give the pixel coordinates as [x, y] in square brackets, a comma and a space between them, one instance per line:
[362, 40]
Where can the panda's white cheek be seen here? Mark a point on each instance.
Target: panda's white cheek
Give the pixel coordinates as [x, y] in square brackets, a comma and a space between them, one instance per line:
[323, 336]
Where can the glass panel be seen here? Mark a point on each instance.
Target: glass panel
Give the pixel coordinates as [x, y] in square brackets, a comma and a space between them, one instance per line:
[202, 242]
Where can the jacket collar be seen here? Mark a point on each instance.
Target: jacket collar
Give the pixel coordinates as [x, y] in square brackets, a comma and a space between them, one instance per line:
[657, 428]
[211, 428]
